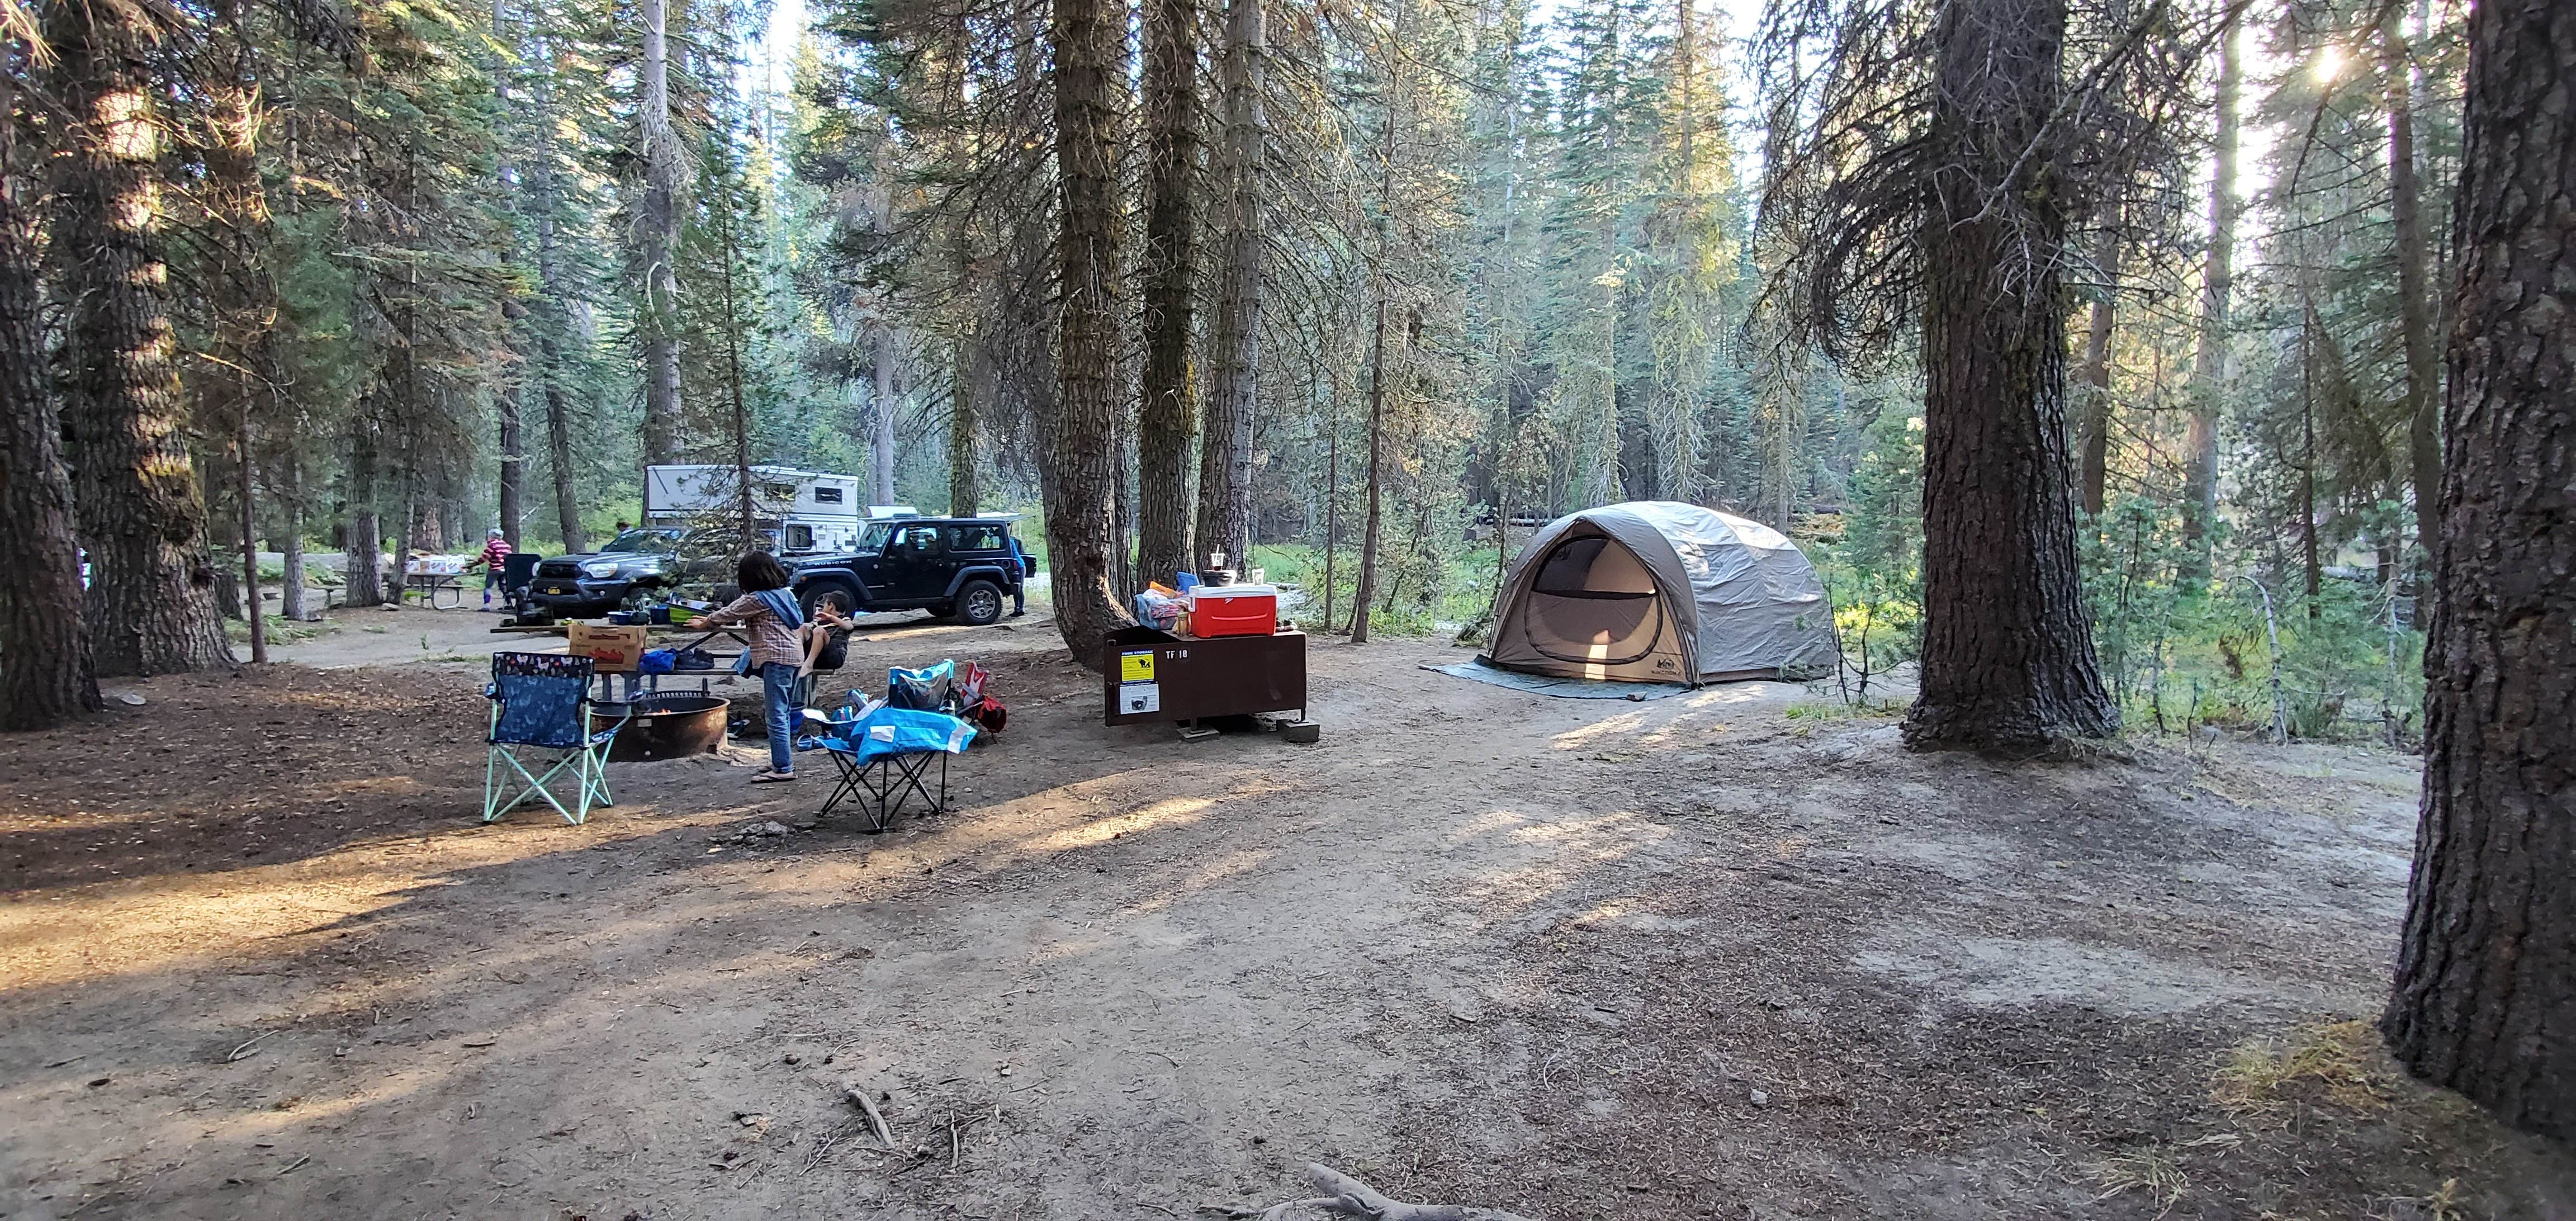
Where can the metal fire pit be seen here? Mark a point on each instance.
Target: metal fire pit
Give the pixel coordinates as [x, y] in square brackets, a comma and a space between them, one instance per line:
[670, 726]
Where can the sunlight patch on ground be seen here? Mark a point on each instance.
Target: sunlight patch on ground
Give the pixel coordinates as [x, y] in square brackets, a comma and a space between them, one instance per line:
[1169, 812]
[1582, 736]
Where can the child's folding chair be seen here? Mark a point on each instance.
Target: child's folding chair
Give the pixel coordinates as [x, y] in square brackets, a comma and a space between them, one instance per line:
[541, 703]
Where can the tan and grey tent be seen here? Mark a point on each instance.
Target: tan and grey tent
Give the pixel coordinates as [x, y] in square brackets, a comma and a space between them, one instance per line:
[1659, 591]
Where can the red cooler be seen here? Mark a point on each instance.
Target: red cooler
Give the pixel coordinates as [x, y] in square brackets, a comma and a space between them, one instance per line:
[1234, 610]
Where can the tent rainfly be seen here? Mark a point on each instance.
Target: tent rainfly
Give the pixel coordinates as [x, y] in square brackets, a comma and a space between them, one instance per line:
[1660, 591]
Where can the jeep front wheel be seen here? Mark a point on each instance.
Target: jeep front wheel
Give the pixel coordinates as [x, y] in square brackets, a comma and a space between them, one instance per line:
[979, 603]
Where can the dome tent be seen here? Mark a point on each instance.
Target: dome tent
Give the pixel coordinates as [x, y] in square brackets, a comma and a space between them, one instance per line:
[1660, 591]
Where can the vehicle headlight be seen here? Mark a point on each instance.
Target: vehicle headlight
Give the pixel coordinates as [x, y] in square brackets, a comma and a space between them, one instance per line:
[599, 568]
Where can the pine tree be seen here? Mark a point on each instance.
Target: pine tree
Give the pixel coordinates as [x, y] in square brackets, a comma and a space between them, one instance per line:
[2486, 971]
[44, 649]
[150, 606]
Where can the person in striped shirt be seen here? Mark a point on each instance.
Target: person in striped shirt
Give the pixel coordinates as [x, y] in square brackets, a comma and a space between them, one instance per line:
[495, 550]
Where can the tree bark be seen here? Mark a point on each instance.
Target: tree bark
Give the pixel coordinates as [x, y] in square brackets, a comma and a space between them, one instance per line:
[2414, 296]
[2209, 358]
[1360, 594]
[2485, 993]
[881, 417]
[252, 605]
[290, 543]
[962, 390]
[2007, 659]
[44, 651]
[513, 461]
[1225, 445]
[550, 310]
[150, 604]
[1167, 415]
[659, 230]
[2094, 444]
[362, 580]
[1079, 428]
[559, 457]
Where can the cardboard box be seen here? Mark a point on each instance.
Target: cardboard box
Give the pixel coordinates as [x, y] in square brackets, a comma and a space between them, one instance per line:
[614, 650]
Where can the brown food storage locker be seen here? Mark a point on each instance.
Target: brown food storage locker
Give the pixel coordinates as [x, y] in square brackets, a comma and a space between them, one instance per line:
[1149, 676]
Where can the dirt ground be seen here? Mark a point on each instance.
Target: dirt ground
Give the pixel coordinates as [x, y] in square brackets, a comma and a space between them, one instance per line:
[1732, 954]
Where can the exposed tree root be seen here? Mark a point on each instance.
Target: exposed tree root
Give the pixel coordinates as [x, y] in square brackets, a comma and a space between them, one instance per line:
[1345, 1196]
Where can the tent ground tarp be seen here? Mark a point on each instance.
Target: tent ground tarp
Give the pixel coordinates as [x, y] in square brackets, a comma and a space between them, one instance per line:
[1562, 688]
[1660, 591]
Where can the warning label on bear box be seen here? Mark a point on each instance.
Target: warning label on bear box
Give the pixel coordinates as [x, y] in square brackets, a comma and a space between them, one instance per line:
[1134, 698]
[1136, 667]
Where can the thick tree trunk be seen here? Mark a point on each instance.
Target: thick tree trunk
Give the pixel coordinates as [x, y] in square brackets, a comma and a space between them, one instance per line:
[2485, 996]
[1225, 446]
[2209, 359]
[2007, 658]
[659, 230]
[2094, 443]
[1079, 430]
[150, 604]
[2414, 296]
[1167, 415]
[44, 653]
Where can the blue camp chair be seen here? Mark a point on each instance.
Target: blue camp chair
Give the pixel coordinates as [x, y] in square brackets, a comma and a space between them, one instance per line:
[885, 757]
[541, 702]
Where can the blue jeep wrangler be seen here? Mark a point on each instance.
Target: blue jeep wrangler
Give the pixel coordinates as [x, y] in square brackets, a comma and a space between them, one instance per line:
[954, 567]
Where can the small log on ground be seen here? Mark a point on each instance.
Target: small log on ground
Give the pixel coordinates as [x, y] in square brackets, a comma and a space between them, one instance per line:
[1348, 1197]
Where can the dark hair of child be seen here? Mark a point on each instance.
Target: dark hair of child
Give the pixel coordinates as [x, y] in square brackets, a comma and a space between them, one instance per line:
[758, 571]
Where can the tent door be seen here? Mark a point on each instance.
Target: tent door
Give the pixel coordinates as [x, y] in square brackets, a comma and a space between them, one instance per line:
[1593, 603]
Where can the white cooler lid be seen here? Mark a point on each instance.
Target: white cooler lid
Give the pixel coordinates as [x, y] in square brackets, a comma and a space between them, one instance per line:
[1235, 591]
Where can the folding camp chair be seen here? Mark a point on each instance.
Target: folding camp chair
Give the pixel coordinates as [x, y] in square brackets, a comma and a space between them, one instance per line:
[884, 761]
[541, 702]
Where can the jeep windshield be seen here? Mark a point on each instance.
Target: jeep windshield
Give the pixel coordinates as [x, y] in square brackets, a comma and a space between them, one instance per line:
[874, 537]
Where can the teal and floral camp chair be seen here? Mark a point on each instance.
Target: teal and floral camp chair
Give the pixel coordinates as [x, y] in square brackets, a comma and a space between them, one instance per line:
[540, 704]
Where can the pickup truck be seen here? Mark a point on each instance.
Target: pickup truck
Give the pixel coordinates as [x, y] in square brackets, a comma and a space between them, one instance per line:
[953, 567]
[632, 567]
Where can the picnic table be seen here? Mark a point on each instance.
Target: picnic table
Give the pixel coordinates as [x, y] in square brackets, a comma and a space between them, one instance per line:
[698, 638]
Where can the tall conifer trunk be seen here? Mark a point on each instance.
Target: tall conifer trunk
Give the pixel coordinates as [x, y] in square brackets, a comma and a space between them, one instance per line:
[1080, 428]
[963, 391]
[2485, 996]
[150, 604]
[659, 234]
[2217, 281]
[2093, 440]
[1167, 416]
[2414, 295]
[44, 652]
[1225, 446]
[361, 571]
[552, 317]
[2007, 656]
